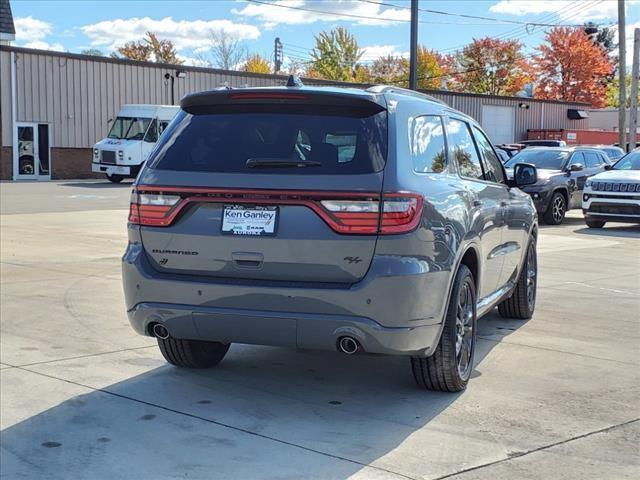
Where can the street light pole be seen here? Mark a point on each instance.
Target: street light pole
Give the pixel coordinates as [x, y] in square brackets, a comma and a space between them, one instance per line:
[413, 48]
[622, 77]
[633, 107]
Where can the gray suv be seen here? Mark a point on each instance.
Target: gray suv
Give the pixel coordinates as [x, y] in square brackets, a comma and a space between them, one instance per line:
[363, 221]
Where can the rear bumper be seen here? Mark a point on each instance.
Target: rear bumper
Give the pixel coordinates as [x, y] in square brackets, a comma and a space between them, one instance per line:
[396, 309]
[299, 330]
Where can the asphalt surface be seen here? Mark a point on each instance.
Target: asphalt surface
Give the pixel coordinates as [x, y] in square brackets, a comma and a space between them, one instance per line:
[83, 397]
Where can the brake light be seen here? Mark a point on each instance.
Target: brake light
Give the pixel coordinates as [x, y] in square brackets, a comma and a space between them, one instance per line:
[400, 213]
[345, 212]
[153, 209]
[267, 96]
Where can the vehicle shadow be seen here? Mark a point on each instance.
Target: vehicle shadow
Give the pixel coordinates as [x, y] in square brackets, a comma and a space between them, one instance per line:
[264, 412]
[625, 231]
[106, 184]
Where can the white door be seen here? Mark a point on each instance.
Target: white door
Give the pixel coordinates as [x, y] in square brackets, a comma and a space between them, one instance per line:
[498, 122]
[31, 151]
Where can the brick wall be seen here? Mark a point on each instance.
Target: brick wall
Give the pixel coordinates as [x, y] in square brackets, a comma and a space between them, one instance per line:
[6, 163]
[70, 163]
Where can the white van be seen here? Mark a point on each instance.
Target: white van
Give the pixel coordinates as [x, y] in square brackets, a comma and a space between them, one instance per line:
[132, 136]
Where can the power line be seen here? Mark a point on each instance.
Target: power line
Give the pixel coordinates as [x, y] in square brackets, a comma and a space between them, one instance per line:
[462, 15]
[353, 15]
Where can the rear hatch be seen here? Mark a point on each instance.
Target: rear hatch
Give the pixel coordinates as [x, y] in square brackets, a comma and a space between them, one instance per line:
[267, 185]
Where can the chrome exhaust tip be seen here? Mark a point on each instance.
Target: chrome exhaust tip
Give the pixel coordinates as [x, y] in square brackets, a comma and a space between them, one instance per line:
[348, 345]
[160, 331]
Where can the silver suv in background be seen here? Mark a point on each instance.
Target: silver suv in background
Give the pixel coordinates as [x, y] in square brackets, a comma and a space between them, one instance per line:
[614, 195]
[363, 221]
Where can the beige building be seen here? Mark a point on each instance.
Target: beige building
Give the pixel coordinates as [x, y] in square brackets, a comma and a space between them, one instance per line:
[59, 104]
[607, 119]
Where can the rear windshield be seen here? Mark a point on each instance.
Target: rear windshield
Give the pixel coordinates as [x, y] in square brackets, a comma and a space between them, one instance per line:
[274, 142]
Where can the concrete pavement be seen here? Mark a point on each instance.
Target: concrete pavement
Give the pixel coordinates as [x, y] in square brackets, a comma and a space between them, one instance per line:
[82, 396]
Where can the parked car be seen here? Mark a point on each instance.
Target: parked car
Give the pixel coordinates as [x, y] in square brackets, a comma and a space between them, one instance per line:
[251, 224]
[614, 195]
[613, 153]
[506, 151]
[562, 173]
[503, 155]
[543, 143]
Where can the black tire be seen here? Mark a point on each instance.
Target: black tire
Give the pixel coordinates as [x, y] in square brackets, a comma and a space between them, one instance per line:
[595, 223]
[522, 302]
[442, 370]
[192, 353]
[115, 178]
[556, 210]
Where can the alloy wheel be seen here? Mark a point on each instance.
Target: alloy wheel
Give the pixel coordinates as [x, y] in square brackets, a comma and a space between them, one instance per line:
[532, 274]
[558, 209]
[464, 331]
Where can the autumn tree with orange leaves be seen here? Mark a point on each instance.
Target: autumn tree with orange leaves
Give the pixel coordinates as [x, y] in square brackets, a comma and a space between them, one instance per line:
[571, 67]
[148, 49]
[492, 66]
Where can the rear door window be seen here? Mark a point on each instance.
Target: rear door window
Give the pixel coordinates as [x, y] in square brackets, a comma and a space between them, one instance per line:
[274, 142]
[462, 148]
[427, 144]
[492, 166]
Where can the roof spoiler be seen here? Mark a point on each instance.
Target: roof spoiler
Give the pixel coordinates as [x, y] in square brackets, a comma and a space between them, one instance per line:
[294, 100]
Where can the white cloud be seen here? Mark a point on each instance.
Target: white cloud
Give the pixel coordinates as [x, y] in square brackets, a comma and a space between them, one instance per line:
[185, 34]
[42, 45]
[29, 29]
[32, 33]
[372, 52]
[276, 13]
[568, 9]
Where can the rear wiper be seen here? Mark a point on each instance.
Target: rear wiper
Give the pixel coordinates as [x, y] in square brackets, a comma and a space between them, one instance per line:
[279, 163]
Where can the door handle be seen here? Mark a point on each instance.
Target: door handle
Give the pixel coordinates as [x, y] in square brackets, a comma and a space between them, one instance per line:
[503, 203]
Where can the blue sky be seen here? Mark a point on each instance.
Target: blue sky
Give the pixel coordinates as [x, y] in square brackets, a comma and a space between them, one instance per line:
[77, 25]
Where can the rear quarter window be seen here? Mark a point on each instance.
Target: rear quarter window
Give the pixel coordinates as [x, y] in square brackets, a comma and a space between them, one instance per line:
[427, 144]
[335, 143]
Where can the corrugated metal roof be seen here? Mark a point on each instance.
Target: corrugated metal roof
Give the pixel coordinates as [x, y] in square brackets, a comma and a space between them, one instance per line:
[6, 19]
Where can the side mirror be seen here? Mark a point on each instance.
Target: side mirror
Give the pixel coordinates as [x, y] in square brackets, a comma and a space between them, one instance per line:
[524, 174]
[608, 166]
[576, 167]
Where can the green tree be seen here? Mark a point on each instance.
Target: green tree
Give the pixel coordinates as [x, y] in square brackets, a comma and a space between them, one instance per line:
[335, 56]
[613, 92]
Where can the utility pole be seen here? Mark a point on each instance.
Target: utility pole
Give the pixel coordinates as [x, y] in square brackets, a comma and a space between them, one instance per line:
[633, 108]
[622, 72]
[413, 48]
[277, 55]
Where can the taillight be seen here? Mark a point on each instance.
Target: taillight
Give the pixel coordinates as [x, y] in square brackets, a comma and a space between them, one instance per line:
[348, 213]
[154, 209]
[400, 214]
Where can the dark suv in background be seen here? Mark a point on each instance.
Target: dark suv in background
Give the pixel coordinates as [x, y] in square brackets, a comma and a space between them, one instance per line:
[376, 221]
[562, 173]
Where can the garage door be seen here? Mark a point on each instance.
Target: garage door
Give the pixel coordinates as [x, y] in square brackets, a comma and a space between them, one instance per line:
[498, 122]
